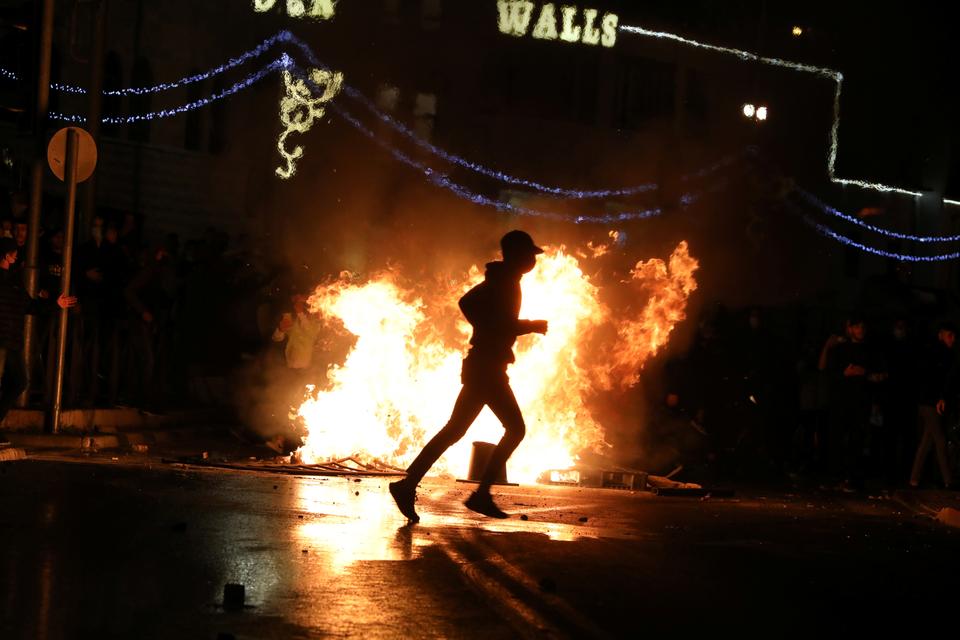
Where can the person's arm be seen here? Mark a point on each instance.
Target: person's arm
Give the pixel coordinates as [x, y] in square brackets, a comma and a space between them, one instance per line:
[132, 293]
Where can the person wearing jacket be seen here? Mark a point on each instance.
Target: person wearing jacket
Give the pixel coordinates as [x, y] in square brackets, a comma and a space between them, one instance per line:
[492, 308]
[15, 304]
[938, 389]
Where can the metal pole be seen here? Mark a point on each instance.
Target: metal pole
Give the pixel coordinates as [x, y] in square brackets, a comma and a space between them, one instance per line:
[94, 113]
[73, 148]
[41, 108]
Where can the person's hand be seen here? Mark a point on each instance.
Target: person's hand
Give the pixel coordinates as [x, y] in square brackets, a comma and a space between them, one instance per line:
[538, 326]
[941, 406]
[94, 275]
[66, 302]
[147, 317]
[854, 371]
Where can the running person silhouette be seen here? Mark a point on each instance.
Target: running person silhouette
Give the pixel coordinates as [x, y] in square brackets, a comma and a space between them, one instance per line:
[493, 309]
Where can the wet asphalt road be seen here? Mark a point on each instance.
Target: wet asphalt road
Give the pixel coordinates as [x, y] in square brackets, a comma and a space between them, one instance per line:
[111, 551]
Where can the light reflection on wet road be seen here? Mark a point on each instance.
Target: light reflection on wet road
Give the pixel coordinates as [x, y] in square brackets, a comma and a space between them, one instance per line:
[111, 552]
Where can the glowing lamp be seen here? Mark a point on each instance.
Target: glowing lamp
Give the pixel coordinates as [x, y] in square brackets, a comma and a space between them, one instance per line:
[762, 113]
[749, 110]
[797, 31]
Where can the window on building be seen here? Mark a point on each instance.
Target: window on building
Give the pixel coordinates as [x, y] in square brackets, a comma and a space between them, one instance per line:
[218, 118]
[430, 13]
[646, 92]
[388, 97]
[141, 76]
[425, 114]
[193, 122]
[112, 80]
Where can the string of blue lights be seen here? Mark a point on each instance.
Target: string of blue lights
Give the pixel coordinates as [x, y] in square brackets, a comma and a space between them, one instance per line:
[901, 257]
[281, 63]
[822, 206]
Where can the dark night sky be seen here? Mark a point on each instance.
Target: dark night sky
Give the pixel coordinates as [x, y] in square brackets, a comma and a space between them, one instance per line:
[898, 58]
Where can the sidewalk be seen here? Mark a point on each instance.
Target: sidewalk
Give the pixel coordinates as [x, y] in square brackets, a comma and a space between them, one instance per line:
[95, 429]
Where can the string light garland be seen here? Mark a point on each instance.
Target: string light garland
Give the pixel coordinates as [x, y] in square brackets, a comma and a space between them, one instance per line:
[445, 182]
[901, 257]
[281, 63]
[823, 72]
[819, 204]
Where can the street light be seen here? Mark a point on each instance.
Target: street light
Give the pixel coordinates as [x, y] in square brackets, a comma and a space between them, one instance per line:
[762, 114]
[749, 110]
[754, 112]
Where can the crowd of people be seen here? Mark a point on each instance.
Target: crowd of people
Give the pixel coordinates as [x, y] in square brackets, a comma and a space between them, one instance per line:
[151, 326]
[864, 410]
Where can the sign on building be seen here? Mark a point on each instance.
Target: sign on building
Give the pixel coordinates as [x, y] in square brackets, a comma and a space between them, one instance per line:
[566, 23]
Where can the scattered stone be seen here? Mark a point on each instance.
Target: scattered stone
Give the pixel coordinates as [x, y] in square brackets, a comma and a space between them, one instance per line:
[524, 517]
[548, 585]
[234, 596]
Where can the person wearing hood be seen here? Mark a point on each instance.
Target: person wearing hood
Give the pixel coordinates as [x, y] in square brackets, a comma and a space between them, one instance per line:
[493, 309]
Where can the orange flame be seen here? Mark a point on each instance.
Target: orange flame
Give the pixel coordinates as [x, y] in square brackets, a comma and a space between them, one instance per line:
[396, 387]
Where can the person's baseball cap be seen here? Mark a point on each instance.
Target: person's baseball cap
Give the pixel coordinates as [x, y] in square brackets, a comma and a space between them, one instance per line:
[518, 243]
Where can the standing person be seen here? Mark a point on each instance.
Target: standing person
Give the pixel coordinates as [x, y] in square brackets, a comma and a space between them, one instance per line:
[492, 308]
[854, 368]
[938, 390]
[14, 305]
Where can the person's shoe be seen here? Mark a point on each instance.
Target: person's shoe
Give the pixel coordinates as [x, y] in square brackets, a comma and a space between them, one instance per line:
[483, 503]
[404, 496]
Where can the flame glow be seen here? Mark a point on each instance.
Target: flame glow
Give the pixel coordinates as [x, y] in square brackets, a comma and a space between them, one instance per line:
[397, 384]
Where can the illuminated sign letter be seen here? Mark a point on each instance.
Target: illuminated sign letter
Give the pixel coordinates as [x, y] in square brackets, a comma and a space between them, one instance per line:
[610, 23]
[322, 9]
[546, 28]
[571, 32]
[515, 16]
[591, 35]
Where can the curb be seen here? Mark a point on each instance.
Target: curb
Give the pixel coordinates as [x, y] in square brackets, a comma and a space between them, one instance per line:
[110, 441]
[11, 454]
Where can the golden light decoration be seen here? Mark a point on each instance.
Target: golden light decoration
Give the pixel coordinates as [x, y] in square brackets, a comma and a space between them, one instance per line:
[299, 109]
[798, 31]
[319, 9]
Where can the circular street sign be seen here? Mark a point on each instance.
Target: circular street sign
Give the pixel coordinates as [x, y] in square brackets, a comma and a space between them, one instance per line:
[86, 154]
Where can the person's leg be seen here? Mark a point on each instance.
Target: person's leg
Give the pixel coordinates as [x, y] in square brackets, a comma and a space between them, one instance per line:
[927, 416]
[940, 443]
[504, 405]
[466, 409]
[13, 382]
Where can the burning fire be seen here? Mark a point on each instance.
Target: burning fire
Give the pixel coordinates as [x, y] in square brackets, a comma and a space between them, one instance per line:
[397, 385]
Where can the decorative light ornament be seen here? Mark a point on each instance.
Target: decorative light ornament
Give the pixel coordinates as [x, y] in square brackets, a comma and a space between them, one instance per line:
[319, 9]
[749, 110]
[299, 110]
[797, 31]
[761, 113]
